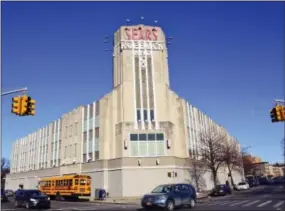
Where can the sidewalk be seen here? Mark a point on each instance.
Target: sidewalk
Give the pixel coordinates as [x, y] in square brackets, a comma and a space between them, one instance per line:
[137, 200]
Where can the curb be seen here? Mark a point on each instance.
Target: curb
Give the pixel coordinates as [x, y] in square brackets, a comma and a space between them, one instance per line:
[121, 203]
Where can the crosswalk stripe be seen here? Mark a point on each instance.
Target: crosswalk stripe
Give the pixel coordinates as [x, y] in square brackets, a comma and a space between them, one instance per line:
[228, 202]
[279, 204]
[265, 203]
[251, 203]
[224, 202]
[238, 203]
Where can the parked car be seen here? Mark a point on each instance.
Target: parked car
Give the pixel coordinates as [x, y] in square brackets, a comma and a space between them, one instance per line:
[252, 183]
[4, 198]
[31, 199]
[242, 186]
[221, 190]
[9, 193]
[170, 196]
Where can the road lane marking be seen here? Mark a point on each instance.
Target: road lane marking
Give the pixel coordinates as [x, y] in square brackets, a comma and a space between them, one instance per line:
[251, 203]
[229, 202]
[279, 204]
[265, 203]
[238, 203]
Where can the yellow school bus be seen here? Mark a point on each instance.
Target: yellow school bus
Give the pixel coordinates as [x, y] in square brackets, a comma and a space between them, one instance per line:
[66, 186]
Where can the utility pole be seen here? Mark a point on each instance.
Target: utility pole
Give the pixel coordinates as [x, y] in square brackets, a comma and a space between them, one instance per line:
[15, 91]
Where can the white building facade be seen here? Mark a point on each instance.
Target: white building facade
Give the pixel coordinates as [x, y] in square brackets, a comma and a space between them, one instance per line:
[140, 131]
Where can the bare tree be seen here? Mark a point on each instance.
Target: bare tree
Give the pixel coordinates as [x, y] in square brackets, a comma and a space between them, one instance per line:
[232, 157]
[5, 169]
[196, 172]
[210, 150]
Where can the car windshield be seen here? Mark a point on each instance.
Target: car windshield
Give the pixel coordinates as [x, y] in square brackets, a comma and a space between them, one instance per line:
[219, 186]
[162, 189]
[35, 193]
[242, 183]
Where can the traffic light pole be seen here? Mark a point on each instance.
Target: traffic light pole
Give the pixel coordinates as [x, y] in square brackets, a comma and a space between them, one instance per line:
[14, 91]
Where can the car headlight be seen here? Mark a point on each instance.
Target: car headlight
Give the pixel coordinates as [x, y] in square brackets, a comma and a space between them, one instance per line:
[161, 198]
[48, 198]
[34, 200]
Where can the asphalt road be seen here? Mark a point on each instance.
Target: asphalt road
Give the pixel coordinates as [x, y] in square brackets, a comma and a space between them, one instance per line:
[259, 198]
[271, 198]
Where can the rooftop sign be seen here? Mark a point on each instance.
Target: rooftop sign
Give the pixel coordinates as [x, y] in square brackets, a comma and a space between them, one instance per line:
[141, 33]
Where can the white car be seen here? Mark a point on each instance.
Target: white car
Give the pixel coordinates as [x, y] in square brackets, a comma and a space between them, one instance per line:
[242, 186]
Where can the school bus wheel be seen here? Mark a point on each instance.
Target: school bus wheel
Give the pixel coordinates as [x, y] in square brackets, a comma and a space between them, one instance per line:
[57, 196]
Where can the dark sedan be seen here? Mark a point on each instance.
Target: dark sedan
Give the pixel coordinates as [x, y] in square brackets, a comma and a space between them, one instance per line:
[4, 198]
[221, 190]
[31, 198]
[170, 196]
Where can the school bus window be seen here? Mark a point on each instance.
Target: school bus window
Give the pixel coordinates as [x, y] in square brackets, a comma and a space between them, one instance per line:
[82, 182]
[65, 182]
[52, 183]
[70, 182]
[88, 182]
[76, 182]
[61, 182]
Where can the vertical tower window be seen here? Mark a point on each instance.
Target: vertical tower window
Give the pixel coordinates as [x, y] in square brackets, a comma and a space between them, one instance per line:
[138, 115]
[145, 114]
[151, 115]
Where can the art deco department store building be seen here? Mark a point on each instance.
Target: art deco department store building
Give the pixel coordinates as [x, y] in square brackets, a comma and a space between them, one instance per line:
[139, 135]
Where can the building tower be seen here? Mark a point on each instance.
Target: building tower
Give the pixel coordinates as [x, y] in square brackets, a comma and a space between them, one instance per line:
[141, 67]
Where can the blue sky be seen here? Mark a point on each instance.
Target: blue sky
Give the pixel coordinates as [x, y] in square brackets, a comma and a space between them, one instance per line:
[227, 59]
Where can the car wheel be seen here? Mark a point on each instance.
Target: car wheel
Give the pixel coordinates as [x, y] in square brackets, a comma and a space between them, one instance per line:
[16, 204]
[169, 205]
[57, 197]
[192, 203]
[27, 205]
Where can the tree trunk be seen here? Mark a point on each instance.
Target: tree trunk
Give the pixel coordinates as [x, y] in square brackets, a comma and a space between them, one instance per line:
[196, 176]
[231, 176]
[214, 172]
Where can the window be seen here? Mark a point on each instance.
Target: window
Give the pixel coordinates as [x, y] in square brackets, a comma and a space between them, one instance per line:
[76, 182]
[138, 115]
[159, 137]
[142, 137]
[75, 149]
[151, 115]
[85, 136]
[145, 115]
[151, 137]
[90, 135]
[97, 132]
[134, 137]
[97, 155]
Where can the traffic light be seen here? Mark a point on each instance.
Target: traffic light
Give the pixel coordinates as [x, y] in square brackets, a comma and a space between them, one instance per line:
[277, 114]
[31, 106]
[282, 111]
[24, 105]
[16, 105]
